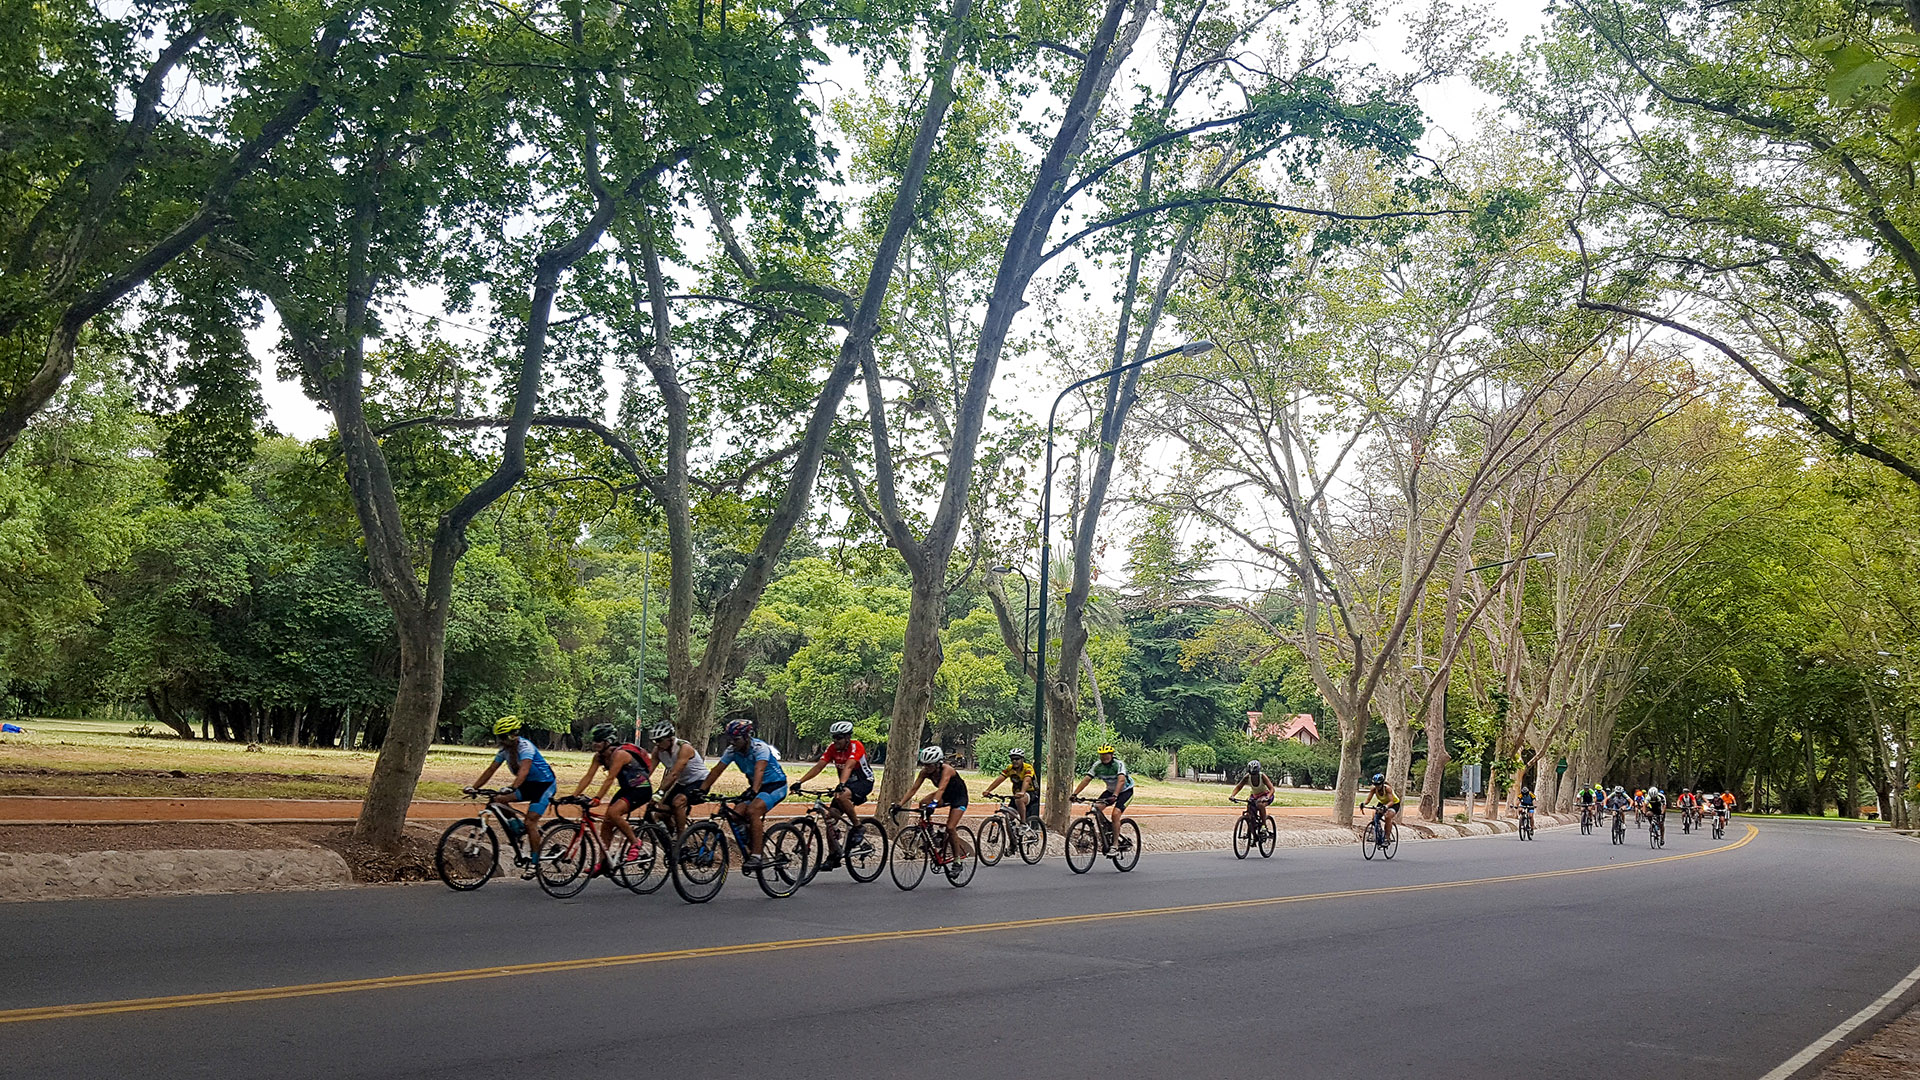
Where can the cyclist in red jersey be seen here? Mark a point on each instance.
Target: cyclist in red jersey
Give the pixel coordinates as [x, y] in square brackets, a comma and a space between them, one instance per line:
[847, 755]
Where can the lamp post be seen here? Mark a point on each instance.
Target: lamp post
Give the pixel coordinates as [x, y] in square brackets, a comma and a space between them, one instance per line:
[1192, 348]
[1026, 612]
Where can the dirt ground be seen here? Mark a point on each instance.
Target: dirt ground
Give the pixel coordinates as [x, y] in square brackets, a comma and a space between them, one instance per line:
[1893, 1054]
[73, 839]
[414, 862]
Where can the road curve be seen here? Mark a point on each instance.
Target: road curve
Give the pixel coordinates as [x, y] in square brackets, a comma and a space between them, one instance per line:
[1459, 955]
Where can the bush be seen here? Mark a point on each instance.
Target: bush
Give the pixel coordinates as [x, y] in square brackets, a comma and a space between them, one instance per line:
[1199, 757]
[1151, 763]
[990, 747]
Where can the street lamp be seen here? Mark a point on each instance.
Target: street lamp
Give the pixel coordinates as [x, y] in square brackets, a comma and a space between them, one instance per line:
[1191, 348]
[1510, 562]
[1026, 612]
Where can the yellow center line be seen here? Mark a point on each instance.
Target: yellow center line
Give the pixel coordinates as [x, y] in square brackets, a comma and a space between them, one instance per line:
[551, 967]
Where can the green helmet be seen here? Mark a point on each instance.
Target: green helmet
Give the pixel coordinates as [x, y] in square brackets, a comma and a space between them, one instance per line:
[506, 725]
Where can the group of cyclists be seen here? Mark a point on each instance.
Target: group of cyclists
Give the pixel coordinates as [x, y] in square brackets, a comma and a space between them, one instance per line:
[627, 787]
[1649, 805]
[686, 779]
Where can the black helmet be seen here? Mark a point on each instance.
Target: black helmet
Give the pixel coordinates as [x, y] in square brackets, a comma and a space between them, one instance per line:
[605, 733]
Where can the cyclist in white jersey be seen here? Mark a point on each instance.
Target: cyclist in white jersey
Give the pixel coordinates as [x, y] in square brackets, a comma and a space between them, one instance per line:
[683, 777]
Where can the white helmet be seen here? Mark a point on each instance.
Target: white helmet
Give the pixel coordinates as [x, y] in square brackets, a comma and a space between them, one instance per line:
[932, 755]
[1253, 766]
[839, 728]
[661, 730]
[1017, 754]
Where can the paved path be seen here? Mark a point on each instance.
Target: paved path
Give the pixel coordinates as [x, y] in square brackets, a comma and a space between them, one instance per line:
[1458, 958]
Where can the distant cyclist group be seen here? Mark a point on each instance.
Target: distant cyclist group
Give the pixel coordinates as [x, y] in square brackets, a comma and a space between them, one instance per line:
[643, 835]
[1698, 809]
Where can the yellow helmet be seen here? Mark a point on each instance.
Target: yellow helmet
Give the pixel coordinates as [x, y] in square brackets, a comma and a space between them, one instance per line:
[1104, 748]
[506, 725]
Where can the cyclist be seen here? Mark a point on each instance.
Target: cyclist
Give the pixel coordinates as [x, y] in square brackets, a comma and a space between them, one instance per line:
[1619, 802]
[627, 765]
[1587, 795]
[1686, 803]
[849, 756]
[1526, 800]
[1387, 799]
[766, 783]
[1259, 794]
[1111, 771]
[1656, 807]
[949, 790]
[1026, 782]
[1723, 806]
[533, 778]
[683, 773]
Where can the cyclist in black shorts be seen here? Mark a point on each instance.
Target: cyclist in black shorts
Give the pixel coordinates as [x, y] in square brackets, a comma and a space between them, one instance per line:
[627, 765]
[949, 790]
[846, 754]
[683, 773]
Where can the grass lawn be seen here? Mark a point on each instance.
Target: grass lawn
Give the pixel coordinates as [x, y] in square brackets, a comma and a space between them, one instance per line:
[104, 757]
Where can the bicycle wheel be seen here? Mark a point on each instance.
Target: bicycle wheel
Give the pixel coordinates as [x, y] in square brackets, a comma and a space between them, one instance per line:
[565, 854]
[699, 862]
[960, 870]
[786, 850]
[816, 843]
[1392, 847]
[1033, 842]
[1368, 841]
[640, 867]
[1242, 837]
[909, 859]
[1619, 831]
[1269, 836]
[865, 853]
[1083, 843]
[993, 840]
[467, 855]
[1126, 847]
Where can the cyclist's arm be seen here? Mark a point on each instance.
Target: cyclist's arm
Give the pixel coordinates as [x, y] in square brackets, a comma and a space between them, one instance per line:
[1236, 789]
[1082, 786]
[754, 781]
[669, 774]
[520, 774]
[487, 775]
[915, 791]
[811, 773]
[712, 775]
[995, 784]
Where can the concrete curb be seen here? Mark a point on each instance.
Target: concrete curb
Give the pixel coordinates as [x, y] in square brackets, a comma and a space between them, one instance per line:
[96, 874]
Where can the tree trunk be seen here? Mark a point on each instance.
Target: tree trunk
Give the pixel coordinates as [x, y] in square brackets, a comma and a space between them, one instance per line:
[913, 694]
[416, 712]
[1063, 729]
[1353, 736]
[1393, 710]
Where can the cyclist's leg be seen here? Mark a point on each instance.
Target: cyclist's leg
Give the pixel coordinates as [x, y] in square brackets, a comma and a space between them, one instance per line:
[616, 818]
[955, 843]
[536, 807]
[1120, 802]
[1020, 805]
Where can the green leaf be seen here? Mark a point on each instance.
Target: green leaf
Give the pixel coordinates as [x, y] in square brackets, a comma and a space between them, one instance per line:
[1905, 111]
[1847, 82]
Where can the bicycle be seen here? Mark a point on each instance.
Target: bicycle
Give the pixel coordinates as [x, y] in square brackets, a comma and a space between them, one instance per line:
[1091, 835]
[638, 865]
[468, 854]
[1526, 824]
[1586, 820]
[921, 845]
[1003, 832]
[1657, 831]
[862, 847]
[1620, 826]
[1719, 826]
[1376, 839]
[1247, 835]
[701, 857]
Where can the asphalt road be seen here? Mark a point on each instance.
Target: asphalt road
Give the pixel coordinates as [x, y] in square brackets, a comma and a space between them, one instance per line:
[1485, 957]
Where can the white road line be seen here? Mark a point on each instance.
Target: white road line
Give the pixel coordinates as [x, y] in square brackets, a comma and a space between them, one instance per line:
[1847, 1027]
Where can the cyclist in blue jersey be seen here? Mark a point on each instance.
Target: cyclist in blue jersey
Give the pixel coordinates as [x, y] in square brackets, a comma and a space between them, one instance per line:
[533, 778]
[766, 783]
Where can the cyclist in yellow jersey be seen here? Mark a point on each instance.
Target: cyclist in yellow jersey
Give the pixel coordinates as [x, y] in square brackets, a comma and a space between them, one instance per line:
[1385, 797]
[1026, 782]
[1260, 793]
